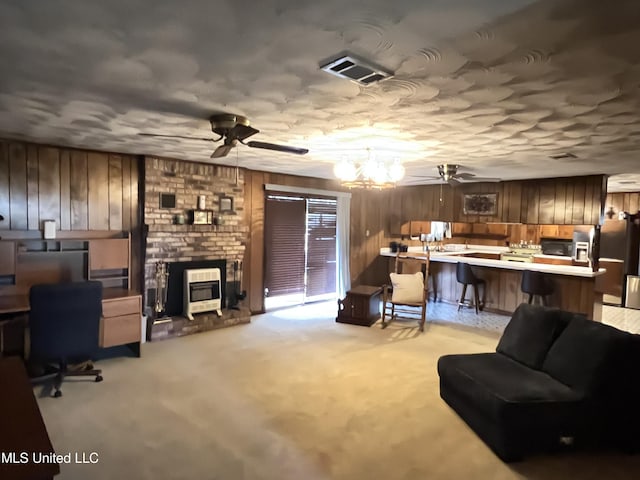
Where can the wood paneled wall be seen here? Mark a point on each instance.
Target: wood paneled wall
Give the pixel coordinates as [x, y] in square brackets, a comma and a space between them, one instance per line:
[572, 200]
[83, 191]
[80, 190]
[623, 202]
[254, 210]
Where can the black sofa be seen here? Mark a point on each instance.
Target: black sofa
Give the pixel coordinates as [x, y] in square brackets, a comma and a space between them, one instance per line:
[556, 379]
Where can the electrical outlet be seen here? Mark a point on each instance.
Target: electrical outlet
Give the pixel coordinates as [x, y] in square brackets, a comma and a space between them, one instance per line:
[366, 233]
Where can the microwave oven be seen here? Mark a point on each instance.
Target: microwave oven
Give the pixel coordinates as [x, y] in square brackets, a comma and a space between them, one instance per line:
[558, 247]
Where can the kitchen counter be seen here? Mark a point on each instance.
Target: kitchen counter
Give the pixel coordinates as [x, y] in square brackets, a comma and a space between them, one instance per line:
[574, 285]
[458, 255]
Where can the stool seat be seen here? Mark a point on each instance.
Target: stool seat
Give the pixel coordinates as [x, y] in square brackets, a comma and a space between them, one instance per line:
[465, 276]
[536, 283]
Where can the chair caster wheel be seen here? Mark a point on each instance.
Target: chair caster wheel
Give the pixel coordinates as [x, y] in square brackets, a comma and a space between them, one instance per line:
[99, 378]
[57, 394]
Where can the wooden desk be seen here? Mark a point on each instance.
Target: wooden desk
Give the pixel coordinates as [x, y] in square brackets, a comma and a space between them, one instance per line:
[21, 426]
[14, 304]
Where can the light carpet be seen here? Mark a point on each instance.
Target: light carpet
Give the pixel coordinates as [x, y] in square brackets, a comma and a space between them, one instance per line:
[292, 395]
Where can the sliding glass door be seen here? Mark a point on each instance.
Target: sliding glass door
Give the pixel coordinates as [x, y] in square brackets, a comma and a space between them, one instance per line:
[300, 249]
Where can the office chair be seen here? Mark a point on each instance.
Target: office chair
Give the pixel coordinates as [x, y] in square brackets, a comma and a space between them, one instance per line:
[64, 324]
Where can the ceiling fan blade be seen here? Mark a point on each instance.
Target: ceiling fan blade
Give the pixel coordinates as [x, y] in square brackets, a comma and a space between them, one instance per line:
[465, 176]
[278, 148]
[242, 132]
[176, 136]
[221, 151]
[486, 179]
[453, 182]
[426, 177]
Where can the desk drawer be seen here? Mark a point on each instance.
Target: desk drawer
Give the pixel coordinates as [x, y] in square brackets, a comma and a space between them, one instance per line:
[120, 330]
[120, 306]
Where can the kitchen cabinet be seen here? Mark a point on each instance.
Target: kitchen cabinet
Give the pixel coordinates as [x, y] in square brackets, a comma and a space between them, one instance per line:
[556, 231]
[498, 229]
[548, 231]
[459, 228]
[565, 231]
[480, 229]
[415, 227]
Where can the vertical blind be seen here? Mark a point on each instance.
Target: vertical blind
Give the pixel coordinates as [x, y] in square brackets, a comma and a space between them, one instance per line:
[300, 242]
[321, 246]
[284, 235]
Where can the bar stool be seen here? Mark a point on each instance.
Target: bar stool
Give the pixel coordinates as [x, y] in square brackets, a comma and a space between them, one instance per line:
[536, 283]
[466, 277]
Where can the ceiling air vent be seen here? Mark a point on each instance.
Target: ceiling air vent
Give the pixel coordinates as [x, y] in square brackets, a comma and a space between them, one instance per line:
[360, 71]
[560, 156]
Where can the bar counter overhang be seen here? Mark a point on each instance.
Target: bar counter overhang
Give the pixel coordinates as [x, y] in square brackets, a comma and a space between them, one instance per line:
[575, 286]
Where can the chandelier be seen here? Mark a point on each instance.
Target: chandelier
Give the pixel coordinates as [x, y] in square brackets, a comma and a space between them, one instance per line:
[372, 173]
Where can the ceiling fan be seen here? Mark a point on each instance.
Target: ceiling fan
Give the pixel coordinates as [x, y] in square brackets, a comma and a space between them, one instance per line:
[231, 130]
[448, 172]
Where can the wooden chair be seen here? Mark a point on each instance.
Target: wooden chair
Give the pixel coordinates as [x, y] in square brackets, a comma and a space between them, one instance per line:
[408, 293]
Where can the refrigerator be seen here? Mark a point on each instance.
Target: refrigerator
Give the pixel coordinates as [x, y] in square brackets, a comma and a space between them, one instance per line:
[619, 247]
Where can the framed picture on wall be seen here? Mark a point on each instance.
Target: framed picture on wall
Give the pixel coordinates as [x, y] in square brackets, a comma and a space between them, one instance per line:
[480, 204]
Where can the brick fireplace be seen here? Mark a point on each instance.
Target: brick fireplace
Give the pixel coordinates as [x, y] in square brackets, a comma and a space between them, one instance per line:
[170, 241]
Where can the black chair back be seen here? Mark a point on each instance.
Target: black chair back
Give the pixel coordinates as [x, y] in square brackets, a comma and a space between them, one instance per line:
[64, 320]
[535, 283]
[464, 274]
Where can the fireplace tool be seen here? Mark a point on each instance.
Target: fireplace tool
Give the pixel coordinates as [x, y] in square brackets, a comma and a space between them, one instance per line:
[162, 279]
[237, 294]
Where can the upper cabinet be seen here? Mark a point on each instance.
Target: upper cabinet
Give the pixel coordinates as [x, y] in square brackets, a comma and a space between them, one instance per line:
[415, 227]
[479, 229]
[557, 231]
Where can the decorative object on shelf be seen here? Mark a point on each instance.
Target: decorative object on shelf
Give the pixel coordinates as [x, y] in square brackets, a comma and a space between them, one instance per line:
[201, 202]
[167, 200]
[162, 281]
[226, 204]
[480, 204]
[201, 217]
[49, 229]
[371, 173]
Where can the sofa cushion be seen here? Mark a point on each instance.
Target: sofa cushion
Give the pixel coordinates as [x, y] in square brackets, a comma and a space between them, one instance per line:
[531, 332]
[583, 355]
[508, 391]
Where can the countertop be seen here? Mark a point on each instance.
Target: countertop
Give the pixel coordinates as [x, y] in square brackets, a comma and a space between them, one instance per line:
[453, 254]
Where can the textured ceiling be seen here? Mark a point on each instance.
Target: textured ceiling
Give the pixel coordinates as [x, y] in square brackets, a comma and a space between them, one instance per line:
[496, 86]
